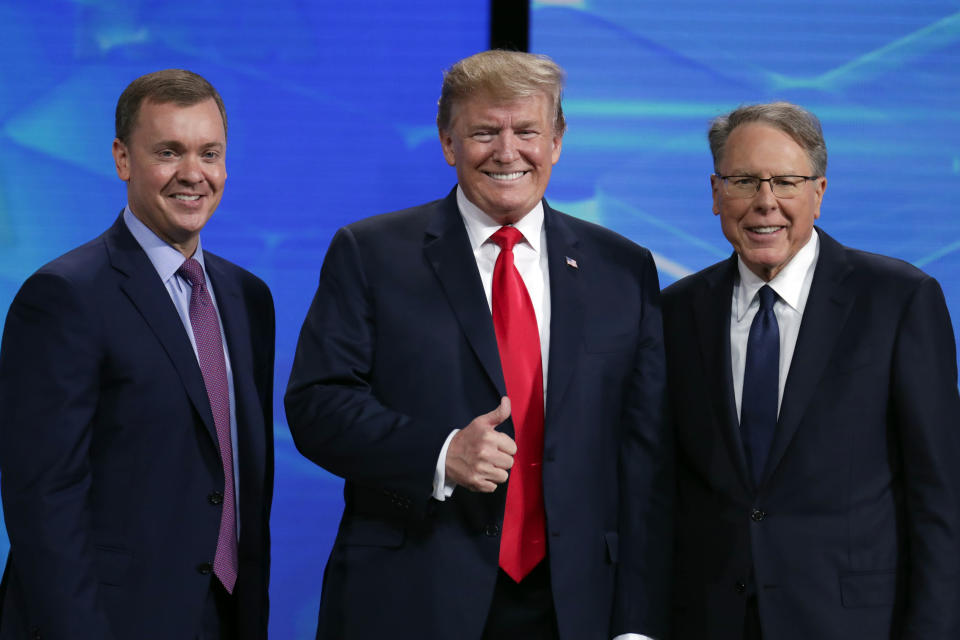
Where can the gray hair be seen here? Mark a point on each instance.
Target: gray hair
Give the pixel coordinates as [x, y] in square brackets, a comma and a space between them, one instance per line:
[794, 120]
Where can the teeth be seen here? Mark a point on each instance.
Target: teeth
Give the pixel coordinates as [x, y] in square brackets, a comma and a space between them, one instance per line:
[506, 176]
[764, 229]
[187, 198]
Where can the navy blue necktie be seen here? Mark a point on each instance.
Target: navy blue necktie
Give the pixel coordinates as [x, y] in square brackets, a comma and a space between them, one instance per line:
[761, 383]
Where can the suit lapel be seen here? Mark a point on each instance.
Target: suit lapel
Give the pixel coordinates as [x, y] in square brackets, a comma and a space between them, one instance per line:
[148, 294]
[233, 314]
[566, 310]
[828, 307]
[447, 249]
[711, 307]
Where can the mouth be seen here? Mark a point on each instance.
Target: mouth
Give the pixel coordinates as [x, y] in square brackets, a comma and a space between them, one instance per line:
[185, 197]
[506, 177]
[765, 231]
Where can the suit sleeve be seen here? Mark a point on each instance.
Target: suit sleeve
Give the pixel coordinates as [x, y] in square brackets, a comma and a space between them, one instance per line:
[927, 414]
[49, 381]
[334, 415]
[264, 364]
[646, 481]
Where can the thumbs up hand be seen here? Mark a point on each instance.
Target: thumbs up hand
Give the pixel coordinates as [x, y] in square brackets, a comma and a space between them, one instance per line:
[479, 456]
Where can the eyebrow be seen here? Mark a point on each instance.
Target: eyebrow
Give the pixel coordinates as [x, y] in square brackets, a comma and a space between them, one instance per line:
[176, 144]
[749, 173]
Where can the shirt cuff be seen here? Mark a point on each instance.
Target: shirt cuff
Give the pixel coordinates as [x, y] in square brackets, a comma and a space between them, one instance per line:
[632, 636]
[441, 488]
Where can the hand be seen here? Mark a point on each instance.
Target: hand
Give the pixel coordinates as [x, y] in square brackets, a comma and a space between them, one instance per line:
[479, 456]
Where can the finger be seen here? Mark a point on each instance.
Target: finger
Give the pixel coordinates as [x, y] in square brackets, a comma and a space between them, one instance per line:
[485, 486]
[491, 473]
[498, 415]
[499, 460]
[506, 444]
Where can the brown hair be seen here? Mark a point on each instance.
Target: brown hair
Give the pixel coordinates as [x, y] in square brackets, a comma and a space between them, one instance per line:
[181, 87]
[507, 75]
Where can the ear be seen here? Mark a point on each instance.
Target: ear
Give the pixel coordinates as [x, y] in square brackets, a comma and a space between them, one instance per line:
[821, 187]
[715, 184]
[557, 146]
[121, 158]
[446, 141]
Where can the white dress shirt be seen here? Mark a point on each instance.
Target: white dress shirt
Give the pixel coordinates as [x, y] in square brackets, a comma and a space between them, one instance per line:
[792, 286]
[530, 259]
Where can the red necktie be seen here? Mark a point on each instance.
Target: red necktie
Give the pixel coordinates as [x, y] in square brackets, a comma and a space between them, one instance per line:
[213, 366]
[523, 541]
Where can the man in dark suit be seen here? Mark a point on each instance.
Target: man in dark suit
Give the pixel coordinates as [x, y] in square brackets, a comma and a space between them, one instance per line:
[814, 389]
[423, 321]
[136, 375]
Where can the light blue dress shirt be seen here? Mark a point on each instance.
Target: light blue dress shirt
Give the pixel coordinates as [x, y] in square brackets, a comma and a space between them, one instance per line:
[166, 260]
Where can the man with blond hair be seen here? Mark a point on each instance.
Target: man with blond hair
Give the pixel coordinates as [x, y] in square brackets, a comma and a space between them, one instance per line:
[487, 375]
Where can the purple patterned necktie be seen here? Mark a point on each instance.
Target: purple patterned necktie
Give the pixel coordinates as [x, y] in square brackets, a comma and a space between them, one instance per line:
[213, 366]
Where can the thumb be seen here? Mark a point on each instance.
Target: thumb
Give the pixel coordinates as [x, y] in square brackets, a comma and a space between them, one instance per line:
[498, 415]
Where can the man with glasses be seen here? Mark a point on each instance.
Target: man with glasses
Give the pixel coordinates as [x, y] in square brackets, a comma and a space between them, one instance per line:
[814, 393]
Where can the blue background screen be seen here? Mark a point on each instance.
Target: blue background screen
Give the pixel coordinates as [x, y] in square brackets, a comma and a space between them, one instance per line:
[332, 109]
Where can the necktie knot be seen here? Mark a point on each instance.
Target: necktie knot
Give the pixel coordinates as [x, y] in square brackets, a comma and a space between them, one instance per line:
[192, 272]
[767, 297]
[507, 237]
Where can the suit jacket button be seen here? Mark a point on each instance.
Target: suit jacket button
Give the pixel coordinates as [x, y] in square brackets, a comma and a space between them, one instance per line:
[740, 587]
[492, 530]
[758, 515]
[205, 568]
[216, 497]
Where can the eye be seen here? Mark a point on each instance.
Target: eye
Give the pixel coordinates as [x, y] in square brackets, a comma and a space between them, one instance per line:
[743, 181]
[166, 153]
[483, 136]
[785, 181]
[527, 134]
[211, 155]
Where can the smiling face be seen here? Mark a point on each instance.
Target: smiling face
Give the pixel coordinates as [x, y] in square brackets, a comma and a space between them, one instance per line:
[173, 164]
[504, 152]
[766, 231]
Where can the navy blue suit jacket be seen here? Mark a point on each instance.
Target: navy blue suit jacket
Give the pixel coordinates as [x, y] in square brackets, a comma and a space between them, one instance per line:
[108, 453]
[398, 349]
[854, 529]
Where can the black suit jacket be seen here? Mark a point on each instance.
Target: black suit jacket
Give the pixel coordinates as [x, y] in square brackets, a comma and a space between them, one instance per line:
[108, 450]
[854, 529]
[398, 349]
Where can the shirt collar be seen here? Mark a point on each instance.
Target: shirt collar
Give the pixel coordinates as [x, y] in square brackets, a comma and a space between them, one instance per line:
[165, 259]
[480, 226]
[788, 284]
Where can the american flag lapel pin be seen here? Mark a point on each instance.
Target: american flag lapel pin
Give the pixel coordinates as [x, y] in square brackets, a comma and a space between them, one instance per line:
[571, 262]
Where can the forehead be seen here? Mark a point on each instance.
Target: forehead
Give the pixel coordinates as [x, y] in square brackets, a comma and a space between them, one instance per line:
[170, 120]
[485, 107]
[759, 147]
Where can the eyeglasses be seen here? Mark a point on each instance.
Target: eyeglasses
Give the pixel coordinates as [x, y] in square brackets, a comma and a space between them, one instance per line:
[748, 186]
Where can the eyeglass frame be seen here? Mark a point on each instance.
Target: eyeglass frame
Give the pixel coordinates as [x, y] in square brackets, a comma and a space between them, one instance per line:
[760, 182]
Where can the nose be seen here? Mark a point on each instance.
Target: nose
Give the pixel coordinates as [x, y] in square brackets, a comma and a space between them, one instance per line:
[190, 170]
[764, 199]
[505, 150]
